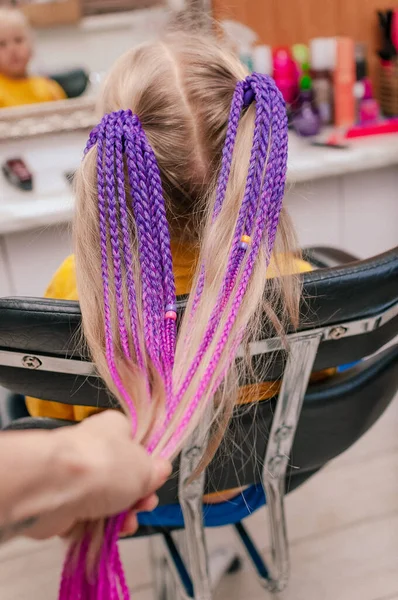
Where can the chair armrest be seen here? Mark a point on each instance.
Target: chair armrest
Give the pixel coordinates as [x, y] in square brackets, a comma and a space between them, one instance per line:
[14, 407]
[74, 82]
[323, 257]
[37, 423]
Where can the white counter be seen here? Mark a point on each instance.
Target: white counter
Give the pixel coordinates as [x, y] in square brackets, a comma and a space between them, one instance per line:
[51, 200]
[308, 162]
[50, 158]
[343, 198]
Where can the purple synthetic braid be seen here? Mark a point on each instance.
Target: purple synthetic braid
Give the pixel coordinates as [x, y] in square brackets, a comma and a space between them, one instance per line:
[113, 221]
[126, 235]
[103, 228]
[253, 181]
[153, 292]
[267, 213]
[244, 223]
[121, 143]
[120, 135]
[141, 208]
[268, 102]
[159, 222]
[225, 169]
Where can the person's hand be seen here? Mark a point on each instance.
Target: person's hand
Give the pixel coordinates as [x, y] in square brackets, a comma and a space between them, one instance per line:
[111, 474]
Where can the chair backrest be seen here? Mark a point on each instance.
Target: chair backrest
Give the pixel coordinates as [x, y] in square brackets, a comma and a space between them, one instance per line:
[74, 82]
[349, 312]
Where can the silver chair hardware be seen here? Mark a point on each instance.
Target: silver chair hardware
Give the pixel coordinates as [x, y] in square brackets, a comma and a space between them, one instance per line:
[337, 332]
[31, 362]
[283, 433]
[275, 464]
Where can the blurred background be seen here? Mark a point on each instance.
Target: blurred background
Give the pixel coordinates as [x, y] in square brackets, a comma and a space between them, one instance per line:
[336, 64]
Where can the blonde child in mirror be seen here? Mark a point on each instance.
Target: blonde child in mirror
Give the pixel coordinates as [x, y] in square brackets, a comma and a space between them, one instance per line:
[17, 86]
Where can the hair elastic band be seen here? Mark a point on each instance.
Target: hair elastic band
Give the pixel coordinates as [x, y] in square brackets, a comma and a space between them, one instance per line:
[171, 314]
[245, 241]
[248, 97]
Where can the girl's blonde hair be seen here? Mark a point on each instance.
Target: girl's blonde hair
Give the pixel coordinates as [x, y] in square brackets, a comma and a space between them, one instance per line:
[181, 88]
[182, 151]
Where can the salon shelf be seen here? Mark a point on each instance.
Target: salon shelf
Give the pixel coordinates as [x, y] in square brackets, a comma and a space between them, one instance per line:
[342, 198]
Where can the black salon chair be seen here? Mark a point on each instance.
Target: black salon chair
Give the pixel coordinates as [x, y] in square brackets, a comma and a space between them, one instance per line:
[350, 315]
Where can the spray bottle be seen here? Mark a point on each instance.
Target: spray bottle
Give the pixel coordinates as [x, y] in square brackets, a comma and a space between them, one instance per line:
[243, 39]
[323, 60]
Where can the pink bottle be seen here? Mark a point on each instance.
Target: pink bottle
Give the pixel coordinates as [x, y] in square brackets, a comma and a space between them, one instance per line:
[285, 73]
[369, 110]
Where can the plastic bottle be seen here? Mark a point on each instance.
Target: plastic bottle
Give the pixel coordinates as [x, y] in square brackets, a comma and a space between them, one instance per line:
[301, 55]
[361, 72]
[242, 38]
[344, 79]
[306, 119]
[366, 107]
[323, 60]
[285, 74]
[262, 59]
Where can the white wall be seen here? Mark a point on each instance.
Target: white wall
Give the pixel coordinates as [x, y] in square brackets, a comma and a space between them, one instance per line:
[96, 42]
[35, 255]
[5, 283]
[370, 218]
[357, 212]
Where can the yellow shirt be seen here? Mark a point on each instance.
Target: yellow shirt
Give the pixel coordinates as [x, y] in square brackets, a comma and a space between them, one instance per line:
[63, 287]
[28, 90]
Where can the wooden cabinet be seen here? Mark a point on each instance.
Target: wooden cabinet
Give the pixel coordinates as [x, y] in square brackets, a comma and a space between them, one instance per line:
[287, 22]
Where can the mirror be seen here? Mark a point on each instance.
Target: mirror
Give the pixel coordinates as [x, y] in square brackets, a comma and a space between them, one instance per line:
[54, 55]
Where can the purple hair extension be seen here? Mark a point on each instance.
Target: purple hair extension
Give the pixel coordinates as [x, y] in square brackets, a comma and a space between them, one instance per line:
[159, 221]
[121, 140]
[269, 205]
[113, 229]
[126, 236]
[225, 169]
[152, 290]
[245, 219]
[122, 145]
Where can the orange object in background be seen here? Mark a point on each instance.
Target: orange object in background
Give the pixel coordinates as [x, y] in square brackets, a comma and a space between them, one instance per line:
[343, 83]
[52, 13]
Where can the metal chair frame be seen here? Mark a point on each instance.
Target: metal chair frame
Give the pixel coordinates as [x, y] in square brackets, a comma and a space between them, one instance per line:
[196, 578]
